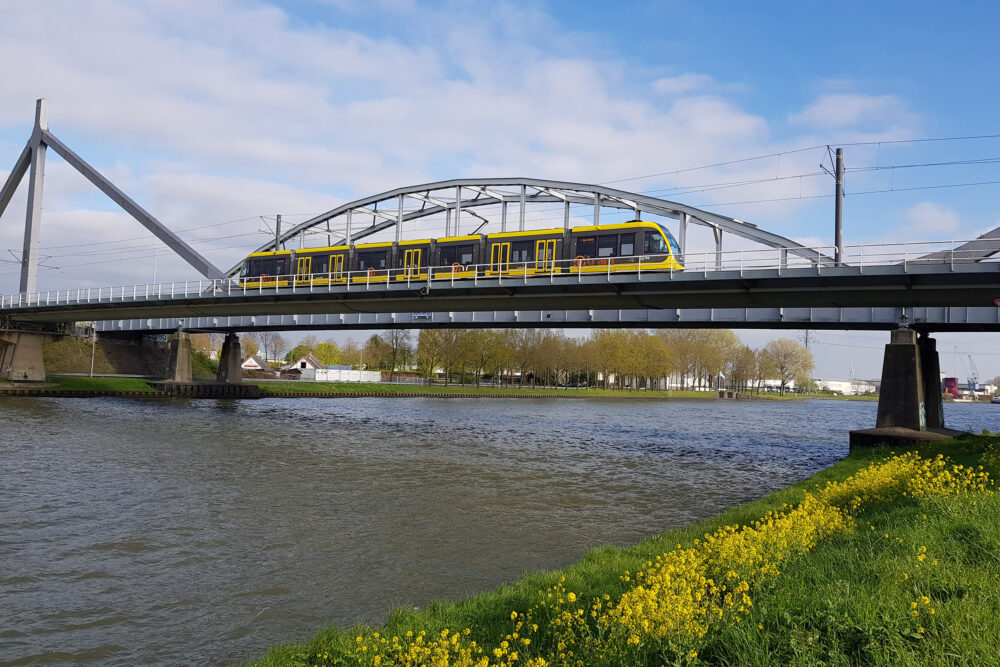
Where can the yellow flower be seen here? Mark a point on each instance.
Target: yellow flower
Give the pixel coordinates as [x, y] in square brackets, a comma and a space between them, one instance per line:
[571, 597]
[513, 615]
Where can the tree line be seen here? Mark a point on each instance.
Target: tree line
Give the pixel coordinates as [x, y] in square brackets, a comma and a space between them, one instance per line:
[610, 358]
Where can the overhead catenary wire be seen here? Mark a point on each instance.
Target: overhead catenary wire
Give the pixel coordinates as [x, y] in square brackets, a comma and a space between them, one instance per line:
[149, 242]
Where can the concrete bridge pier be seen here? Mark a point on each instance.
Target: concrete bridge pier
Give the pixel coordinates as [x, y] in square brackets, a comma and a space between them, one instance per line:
[230, 361]
[930, 367]
[901, 401]
[21, 356]
[910, 409]
[179, 365]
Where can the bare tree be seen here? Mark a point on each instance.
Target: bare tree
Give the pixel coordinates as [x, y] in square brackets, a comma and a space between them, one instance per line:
[790, 359]
[350, 354]
[398, 341]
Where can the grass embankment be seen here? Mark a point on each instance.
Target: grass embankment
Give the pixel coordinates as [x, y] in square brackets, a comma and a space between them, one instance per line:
[85, 383]
[298, 386]
[877, 560]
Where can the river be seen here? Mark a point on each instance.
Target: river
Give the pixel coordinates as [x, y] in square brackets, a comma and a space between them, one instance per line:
[197, 532]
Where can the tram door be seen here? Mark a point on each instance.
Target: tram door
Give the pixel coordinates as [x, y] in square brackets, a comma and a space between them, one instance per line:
[411, 262]
[499, 257]
[545, 254]
[336, 267]
[304, 268]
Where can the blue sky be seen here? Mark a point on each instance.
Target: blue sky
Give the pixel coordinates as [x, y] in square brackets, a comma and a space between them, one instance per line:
[216, 115]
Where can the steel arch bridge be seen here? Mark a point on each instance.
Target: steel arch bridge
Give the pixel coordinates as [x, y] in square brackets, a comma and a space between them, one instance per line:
[469, 197]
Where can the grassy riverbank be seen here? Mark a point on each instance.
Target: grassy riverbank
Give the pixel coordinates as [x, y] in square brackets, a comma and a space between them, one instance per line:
[887, 561]
[85, 383]
[118, 383]
[298, 386]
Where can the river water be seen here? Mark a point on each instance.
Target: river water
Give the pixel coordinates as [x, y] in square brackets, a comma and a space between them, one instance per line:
[193, 532]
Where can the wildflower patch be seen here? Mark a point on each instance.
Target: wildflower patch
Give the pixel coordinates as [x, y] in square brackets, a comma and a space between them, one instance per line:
[681, 596]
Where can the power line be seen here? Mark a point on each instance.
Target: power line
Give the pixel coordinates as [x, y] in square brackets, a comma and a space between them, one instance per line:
[803, 150]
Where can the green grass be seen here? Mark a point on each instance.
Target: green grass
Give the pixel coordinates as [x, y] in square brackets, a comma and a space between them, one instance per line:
[77, 383]
[844, 603]
[298, 386]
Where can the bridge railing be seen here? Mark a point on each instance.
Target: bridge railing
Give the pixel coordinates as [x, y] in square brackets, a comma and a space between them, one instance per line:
[706, 263]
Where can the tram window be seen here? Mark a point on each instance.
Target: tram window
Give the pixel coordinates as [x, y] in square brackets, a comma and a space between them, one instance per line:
[321, 264]
[521, 251]
[374, 259]
[655, 243]
[280, 267]
[587, 246]
[628, 245]
[456, 254]
[606, 245]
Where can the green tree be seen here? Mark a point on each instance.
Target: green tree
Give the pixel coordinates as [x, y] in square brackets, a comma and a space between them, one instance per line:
[430, 350]
[378, 353]
[248, 346]
[350, 354]
[327, 352]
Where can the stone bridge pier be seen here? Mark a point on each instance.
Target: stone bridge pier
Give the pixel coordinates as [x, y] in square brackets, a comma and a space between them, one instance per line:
[910, 407]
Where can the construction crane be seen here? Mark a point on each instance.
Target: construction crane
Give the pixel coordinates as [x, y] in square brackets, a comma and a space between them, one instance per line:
[973, 376]
[971, 372]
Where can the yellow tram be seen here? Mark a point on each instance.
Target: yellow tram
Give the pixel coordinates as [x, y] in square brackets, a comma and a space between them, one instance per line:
[628, 246]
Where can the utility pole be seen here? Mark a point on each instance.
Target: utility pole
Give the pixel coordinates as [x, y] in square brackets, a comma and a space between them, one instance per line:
[93, 348]
[277, 233]
[838, 228]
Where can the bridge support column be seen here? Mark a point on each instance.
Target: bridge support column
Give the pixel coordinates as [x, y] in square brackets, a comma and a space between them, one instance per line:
[179, 369]
[21, 356]
[230, 361]
[909, 405]
[901, 402]
[930, 368]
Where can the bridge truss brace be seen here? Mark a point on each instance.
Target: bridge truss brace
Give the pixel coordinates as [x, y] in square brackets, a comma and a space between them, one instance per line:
[33, 157]
[457, 200]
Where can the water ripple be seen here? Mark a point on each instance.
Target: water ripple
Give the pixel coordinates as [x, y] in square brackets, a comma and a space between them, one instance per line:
[202, 532]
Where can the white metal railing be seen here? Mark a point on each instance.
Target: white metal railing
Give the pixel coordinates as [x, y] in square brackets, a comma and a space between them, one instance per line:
[858, 257]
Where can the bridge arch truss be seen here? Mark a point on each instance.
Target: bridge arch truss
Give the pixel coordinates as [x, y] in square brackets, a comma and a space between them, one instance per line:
[463, 202]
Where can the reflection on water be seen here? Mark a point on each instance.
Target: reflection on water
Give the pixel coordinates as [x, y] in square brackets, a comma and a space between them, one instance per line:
[205, 531]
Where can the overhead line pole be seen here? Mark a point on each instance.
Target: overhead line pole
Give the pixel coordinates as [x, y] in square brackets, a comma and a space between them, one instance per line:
[838, 227]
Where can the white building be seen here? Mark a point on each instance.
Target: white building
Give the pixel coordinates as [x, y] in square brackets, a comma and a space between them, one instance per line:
[846, 387]
[256, 363]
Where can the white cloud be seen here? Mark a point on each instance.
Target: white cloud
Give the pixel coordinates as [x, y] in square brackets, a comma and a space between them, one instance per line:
[930, 218]
[214, 110]
[682, 84]
[851, 110]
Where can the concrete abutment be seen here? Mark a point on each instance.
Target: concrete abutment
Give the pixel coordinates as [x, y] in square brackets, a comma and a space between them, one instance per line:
[21, 356]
